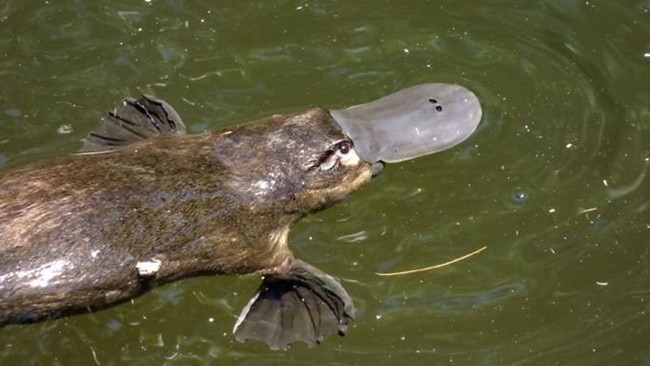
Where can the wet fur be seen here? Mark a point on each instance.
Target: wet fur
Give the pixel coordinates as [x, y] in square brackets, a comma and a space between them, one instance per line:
[72, 230]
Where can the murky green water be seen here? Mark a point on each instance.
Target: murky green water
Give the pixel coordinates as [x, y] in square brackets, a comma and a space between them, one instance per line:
[554, 182]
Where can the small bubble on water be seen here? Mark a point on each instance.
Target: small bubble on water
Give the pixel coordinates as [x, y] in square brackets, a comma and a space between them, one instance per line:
[519, 196]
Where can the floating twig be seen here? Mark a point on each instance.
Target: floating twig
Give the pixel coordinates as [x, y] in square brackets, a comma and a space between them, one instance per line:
[431, 267]
[587, 210]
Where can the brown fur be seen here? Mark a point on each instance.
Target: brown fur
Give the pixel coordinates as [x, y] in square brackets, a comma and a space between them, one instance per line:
[72, 230]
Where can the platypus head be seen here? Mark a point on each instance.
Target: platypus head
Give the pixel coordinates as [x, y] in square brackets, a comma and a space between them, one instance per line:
[311, 160]
[303, 161]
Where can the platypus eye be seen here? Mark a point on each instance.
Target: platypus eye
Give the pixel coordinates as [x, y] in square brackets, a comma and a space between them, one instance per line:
[344, 147]
[341, 153]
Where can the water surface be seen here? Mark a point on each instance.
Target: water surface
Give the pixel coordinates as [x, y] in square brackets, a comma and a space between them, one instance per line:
[554, 182]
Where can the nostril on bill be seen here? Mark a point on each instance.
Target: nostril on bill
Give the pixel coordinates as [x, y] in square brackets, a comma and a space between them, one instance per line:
[435, 102]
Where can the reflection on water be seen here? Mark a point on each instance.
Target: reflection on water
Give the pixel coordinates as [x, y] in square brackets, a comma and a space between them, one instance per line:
[554, 182]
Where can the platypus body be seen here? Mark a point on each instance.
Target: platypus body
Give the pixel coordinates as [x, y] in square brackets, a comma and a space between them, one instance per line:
[144, 204]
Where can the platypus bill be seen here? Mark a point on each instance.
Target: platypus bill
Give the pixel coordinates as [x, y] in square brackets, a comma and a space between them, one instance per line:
[144, 204]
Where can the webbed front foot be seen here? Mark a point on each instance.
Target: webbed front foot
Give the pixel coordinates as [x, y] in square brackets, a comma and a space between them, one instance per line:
[303, 304]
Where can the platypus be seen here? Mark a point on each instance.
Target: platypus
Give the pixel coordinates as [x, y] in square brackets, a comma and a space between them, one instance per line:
[143, 203]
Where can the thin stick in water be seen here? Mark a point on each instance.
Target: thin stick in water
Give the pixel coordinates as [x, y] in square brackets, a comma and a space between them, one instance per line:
[431, 267]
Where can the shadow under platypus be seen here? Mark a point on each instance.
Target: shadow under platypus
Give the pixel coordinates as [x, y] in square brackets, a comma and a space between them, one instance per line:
[144, 204]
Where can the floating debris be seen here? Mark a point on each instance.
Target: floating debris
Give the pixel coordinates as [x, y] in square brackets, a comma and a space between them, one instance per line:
[587, 210]
[417, 270]
[64, 129]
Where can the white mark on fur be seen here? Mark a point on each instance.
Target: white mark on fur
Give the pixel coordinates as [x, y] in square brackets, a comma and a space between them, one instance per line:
[148, 268]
